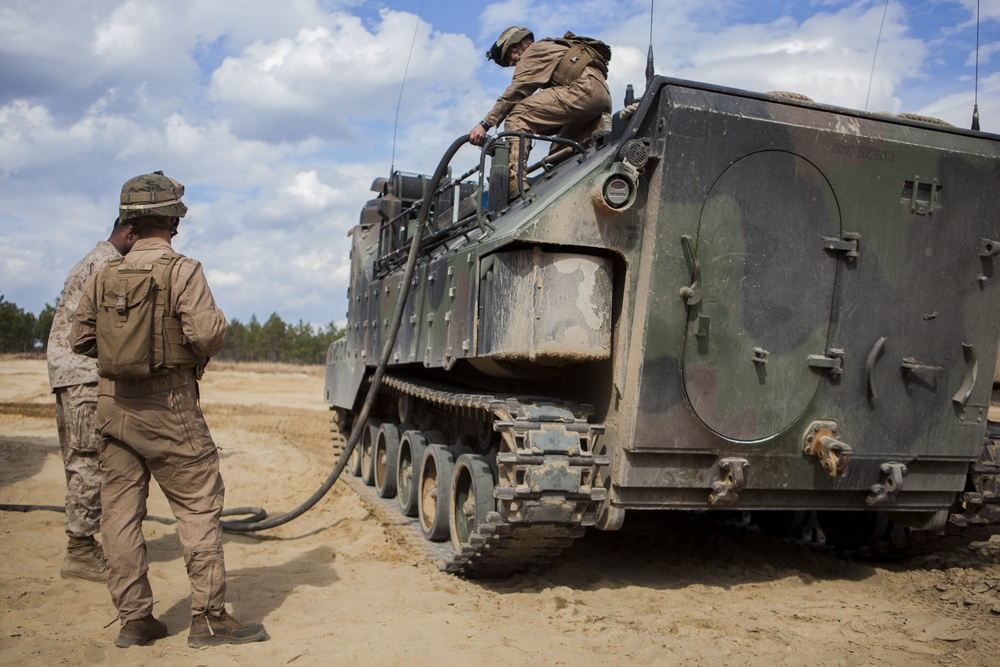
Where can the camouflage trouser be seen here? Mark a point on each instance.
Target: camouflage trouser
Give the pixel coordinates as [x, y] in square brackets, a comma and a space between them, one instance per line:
[162, 435]
[572, 112]
[76, 406]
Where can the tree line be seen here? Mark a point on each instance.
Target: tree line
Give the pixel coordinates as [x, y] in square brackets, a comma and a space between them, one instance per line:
[21, 331]
[274, 340]
[277, 341]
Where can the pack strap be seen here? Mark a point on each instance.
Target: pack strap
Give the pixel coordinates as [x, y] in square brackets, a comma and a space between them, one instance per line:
[166, 264]
[581, 53]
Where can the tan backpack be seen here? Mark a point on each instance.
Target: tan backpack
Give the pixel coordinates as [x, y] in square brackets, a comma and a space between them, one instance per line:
[138, 335]
[583, 52]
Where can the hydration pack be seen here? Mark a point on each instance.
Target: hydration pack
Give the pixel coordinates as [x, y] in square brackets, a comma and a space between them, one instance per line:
[137, 334]
[583, 52]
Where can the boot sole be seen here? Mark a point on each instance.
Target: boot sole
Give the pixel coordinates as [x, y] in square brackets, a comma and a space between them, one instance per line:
[219, 640]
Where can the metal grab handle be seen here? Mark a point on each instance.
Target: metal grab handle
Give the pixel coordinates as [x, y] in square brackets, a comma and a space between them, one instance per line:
[691, 293]
[911, 365]
[971, 371]
[873, 358]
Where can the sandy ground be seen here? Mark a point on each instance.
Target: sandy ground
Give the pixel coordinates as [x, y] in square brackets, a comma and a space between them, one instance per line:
[349, 583]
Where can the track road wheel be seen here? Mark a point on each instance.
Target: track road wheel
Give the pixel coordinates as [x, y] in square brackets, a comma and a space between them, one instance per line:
[471, 497]
[367, 446]
[385, 455]
[852, 530]
[411, 452]
[436, 470]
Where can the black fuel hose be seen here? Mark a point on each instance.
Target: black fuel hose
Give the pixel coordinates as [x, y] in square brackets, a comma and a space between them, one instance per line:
[256, 513]
[251, 526]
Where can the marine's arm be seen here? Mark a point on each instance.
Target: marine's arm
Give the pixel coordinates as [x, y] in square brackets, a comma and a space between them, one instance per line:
[83, 332]
[202, 321]
[533, 71]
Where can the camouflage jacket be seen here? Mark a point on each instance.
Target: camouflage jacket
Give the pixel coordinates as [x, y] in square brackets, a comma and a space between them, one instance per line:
[66, 367]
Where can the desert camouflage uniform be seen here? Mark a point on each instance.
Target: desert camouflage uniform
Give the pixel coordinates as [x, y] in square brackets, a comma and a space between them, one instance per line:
[73, 378]
[155, 428]
[530, 104]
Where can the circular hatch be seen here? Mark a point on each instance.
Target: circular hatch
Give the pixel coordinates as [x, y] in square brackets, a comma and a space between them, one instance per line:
[767, 289]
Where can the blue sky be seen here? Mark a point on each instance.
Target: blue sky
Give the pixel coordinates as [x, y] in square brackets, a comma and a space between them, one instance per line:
[278, 116]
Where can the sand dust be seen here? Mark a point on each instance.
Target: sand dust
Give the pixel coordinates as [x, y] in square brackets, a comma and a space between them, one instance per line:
[349, 583]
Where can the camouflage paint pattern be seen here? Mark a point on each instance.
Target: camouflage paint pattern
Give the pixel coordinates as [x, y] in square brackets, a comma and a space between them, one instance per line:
[79, 441]
[774, 271]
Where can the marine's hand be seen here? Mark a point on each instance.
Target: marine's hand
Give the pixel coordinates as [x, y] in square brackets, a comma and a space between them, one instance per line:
[477, 136]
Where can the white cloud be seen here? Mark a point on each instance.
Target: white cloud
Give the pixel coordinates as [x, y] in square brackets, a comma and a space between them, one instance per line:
[326, 80]
[121, 35]
[957, 109]
[311, 193]
[827, 56]
[224, 278]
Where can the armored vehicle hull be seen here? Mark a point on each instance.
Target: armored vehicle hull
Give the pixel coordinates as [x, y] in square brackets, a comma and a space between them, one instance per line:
[731, 301]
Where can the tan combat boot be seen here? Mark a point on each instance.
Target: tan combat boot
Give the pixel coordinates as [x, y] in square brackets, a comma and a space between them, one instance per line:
[214, 630]
[141, 631]
[84, 560]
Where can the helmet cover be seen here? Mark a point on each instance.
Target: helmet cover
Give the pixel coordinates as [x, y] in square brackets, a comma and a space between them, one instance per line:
[508, 38]
[151, 195]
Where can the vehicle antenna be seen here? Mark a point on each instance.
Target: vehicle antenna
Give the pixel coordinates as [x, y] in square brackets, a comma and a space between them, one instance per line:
[649, 56]
[402, 84]
[875, 56]
[975, 104]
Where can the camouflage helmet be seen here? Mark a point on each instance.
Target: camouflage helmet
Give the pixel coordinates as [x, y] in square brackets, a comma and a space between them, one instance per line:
[151, 195]
[508, 38]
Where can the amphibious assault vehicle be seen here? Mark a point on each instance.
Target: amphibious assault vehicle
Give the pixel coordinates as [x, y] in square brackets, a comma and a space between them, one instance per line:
[736, 302]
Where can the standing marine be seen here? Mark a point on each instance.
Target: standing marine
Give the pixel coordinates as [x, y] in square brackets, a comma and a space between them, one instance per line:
[559, 88]
[150, 420]
[73, 378]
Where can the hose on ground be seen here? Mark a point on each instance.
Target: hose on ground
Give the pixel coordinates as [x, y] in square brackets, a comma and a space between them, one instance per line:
[256, 513]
